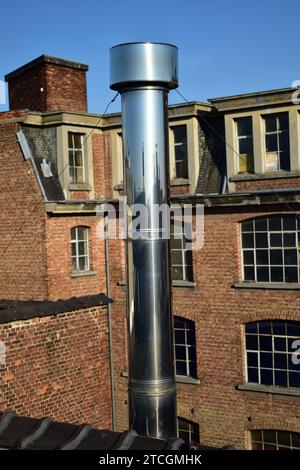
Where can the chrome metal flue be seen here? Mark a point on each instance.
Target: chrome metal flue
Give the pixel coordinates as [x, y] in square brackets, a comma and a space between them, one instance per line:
[144, 73]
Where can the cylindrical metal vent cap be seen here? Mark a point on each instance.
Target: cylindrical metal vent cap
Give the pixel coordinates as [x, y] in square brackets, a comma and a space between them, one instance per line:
[147, 63]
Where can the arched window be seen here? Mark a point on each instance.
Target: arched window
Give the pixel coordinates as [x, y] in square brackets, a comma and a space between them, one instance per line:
[80, 249]
[269, 439]
[185, 347]
[188, 430]
[273, 353]
[270, 249]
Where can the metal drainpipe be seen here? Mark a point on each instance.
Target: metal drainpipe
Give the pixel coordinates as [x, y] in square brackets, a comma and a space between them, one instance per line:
[112, 380]
[144, 73]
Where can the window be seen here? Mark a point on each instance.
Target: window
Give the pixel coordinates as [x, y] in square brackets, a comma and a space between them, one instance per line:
[270, 249]
[275, 440]
[272, 353]
[120, 155]
[245, 145]
[185, 347]
[76, 157]
[80, 249]
[180, 151]
[277, 142]
[188, 430]
[181, 258]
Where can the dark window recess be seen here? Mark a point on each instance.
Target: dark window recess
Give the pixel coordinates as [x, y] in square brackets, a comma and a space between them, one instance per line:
[180, 151]
[277, 142]
[270, 249]
[188, 430]
[245, 145]
[185, 347]
[270, 439]
[273, 353]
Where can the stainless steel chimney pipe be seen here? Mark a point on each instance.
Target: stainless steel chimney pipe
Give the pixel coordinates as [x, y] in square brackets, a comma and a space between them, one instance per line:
[144, 73]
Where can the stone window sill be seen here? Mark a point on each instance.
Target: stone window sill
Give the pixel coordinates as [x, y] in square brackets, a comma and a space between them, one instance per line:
[83, 273]
[174, 283]
[183, 284]
[265, 176]
[178, 378]
[80, 187]
[183, 379]
[180, 182]
[252, 387]
[267, 285]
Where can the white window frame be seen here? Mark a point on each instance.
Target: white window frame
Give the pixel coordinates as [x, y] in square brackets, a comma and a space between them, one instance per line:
[186, 345]
[75, 241]
[186, 268]
[75, 149]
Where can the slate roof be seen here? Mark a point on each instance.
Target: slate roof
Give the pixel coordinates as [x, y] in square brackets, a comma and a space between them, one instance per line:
[13, 310]
[20, 432]
[212, 154]
[43, 145]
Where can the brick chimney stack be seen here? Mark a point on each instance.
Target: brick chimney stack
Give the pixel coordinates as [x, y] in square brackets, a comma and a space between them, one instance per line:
[48, 84]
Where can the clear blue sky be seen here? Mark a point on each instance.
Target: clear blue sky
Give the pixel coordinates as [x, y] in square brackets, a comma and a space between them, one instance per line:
[225, 47]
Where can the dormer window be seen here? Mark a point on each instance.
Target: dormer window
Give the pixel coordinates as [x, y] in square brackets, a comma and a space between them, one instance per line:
[245, 145]
[180, 150]
[76, 157]
[277, 142]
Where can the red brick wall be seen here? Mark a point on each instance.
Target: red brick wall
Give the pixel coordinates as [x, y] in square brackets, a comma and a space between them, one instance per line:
[119, 322]
[282, 183]
[224, 414]
[102, 165]
[22, 223]
[58, 366]
[183, 189]
[61, 285]
[63, 88]
[78, 195]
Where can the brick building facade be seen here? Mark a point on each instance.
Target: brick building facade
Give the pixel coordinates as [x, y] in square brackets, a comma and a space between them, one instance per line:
[236, 302]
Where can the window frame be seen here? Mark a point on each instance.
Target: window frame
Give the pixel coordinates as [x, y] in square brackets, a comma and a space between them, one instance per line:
[276, 445]
[270, 248]
[83, 157]
[178, 144]
[243, 137]
[186, 255]
[76, 242]
[189, 329]
[194, 434]
[277, 133]
[275, 352]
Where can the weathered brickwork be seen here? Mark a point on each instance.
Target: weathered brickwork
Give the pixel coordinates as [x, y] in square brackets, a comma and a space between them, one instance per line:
[22, 230]
[277, 183]
[48, 87]
[224, 414]
[102, 165]
[182, 189]
[61, 283]
[58, 366]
